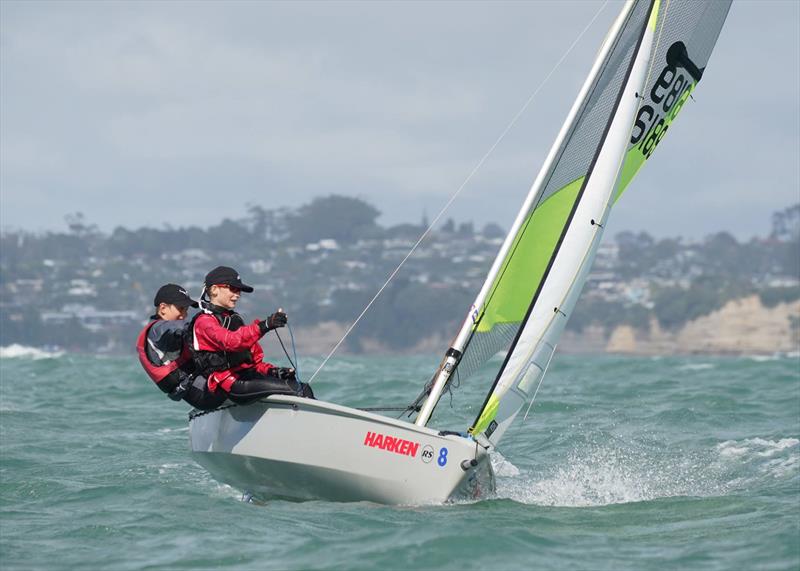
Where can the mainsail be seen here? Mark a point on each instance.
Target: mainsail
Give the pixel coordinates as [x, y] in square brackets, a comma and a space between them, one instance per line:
[647, 68]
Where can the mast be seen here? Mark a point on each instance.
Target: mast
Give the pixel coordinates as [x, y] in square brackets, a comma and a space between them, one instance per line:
[454, 353]
[572, 257]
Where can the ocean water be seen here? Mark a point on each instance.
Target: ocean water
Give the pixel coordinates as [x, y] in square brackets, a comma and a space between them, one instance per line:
[622, 463]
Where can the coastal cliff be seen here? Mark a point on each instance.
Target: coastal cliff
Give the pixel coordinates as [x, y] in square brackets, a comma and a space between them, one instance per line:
[742, 326]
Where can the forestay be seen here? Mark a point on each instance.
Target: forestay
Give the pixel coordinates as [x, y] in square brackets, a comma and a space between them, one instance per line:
[647, 68]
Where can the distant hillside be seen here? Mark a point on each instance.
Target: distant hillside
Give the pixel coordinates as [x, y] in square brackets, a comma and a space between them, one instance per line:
[85, 290]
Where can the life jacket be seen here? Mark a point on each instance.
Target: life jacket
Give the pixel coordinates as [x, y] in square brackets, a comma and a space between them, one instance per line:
[208, 362]
[165, 377]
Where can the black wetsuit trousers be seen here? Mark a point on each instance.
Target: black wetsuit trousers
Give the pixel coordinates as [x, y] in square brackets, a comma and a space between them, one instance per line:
[200, 397]
[252, 385]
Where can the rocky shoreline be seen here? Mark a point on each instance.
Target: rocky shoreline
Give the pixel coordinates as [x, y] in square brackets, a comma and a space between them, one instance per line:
[742, 327]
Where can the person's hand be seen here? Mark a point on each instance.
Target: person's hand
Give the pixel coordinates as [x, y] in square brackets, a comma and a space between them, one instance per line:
[277, 319]
[283, 373]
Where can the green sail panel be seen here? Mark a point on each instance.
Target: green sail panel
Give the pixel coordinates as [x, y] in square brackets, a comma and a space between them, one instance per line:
[517, 282]
[531, 253]
[638, 155]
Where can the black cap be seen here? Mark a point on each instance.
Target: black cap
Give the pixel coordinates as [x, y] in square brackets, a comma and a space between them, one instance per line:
[175, 295]
[223, 275]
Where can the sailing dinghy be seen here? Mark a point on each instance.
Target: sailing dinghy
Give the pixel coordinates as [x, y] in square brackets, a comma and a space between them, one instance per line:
[647, 68]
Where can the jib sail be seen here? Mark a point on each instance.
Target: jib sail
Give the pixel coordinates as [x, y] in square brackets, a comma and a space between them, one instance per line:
[646, 69]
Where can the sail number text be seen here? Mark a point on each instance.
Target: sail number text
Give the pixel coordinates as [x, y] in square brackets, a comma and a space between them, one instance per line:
[670, 91]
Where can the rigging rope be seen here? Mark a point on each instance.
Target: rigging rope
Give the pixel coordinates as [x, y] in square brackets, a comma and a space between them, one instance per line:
[460, 188]
[295, 364]
[541, 379]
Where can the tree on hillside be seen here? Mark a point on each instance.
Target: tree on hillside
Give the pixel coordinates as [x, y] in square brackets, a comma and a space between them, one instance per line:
[723, 253]
[267, 225]
[407, 231]
[228, 235]
[786, 224]
[492, 230]
[635, 253]
[342, 218]
[466, 229]
[77, 224]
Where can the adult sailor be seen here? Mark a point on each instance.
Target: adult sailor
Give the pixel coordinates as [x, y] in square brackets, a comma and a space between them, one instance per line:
[226, 351]
[164, 354]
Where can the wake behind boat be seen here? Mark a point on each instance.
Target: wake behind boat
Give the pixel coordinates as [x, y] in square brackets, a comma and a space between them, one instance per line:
[646, 70]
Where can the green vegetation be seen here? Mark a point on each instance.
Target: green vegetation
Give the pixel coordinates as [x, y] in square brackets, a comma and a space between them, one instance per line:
[771, 297]
[326, 260]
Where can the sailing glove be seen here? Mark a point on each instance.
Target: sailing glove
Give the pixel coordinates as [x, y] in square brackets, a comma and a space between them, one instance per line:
[277, 319]
[182, 388]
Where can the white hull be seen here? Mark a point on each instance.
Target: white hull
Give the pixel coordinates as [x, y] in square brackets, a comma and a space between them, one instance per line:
[299, 448]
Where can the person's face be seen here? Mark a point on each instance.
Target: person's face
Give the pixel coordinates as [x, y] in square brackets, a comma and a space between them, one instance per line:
[225, 296]
[170, 312]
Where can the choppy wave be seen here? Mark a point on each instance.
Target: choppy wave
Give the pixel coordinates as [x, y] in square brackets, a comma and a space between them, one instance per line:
[171, 430]
[696, 367]
[710, 475]
[502, 467]
[774, 357]
[16, 351]
[774, 458]
[607, 474]
[604, 475]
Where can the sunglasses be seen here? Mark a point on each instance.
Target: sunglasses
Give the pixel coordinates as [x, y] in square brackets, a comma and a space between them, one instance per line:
[232, 289]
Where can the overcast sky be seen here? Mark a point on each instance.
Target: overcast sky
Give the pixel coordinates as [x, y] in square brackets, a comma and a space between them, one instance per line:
[149, 113]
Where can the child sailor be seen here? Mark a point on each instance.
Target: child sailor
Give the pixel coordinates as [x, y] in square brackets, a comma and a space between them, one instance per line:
[226, 351]
[164, 354]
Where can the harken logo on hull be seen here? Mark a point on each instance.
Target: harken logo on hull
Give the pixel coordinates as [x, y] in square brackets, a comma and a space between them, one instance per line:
[391, 444]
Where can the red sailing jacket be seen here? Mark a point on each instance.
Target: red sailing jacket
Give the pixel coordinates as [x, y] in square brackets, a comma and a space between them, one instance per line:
[159, 373]
[210, 335]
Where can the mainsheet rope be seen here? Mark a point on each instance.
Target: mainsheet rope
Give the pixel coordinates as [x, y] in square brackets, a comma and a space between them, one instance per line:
[460, 188]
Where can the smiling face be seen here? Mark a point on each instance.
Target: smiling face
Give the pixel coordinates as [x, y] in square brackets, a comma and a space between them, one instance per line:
[224, 295]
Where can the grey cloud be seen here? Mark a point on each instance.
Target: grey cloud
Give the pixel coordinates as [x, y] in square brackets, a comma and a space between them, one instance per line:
[394, 102]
